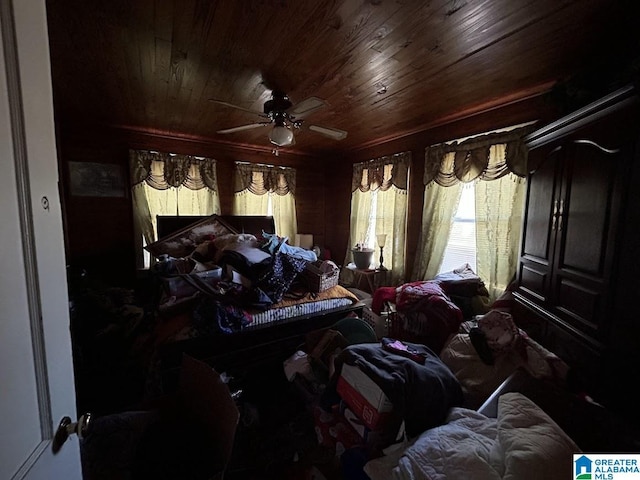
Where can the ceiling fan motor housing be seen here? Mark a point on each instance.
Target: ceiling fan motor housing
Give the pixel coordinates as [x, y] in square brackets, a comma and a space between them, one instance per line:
[279, 103]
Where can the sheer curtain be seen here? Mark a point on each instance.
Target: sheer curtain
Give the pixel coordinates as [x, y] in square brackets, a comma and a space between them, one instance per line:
[267, 190]
[169, 184]
[499, 216]
[496, 162]
[379, 206]
[440, 204]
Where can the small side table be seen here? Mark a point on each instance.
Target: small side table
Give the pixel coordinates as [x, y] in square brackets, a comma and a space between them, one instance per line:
[375, 277]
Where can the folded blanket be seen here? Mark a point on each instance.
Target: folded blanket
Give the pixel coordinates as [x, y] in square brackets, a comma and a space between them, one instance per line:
[333, 292]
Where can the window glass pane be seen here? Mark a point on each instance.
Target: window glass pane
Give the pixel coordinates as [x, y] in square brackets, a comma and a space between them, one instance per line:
[461, 248]
[370, 239]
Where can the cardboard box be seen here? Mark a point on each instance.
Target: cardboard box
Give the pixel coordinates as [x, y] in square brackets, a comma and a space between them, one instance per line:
[390, 432]
[364, 397]
[356, 423]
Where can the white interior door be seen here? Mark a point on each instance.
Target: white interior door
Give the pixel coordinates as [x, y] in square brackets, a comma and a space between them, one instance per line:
[36, 370]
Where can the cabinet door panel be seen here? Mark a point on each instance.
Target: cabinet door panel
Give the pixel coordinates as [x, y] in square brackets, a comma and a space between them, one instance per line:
[539, 228]
[540, 204]
[579, 303]
[587, 209]
[534, 280]
[583, 260]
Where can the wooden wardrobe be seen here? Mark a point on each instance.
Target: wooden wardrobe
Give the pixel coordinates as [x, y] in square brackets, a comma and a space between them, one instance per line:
[578, 281]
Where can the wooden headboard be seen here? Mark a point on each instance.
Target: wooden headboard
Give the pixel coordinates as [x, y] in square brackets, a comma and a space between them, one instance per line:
[254, 224]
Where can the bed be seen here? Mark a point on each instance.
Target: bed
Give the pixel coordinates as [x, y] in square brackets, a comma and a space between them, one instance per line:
[271, 334]
[254, 307]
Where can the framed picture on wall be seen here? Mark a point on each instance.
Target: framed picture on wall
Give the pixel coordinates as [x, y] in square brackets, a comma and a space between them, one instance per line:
[90, 179]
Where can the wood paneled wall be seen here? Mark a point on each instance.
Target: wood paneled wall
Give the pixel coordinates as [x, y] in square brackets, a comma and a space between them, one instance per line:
[99, 231]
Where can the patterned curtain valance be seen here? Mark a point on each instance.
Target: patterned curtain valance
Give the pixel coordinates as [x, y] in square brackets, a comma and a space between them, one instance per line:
[471, 159]
[260, 179]
[381, 173]
[164, 170]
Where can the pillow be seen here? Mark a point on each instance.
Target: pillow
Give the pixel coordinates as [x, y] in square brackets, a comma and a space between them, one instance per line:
[530, 442]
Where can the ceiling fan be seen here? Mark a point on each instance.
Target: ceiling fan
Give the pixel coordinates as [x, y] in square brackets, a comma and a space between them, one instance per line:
[280, 112]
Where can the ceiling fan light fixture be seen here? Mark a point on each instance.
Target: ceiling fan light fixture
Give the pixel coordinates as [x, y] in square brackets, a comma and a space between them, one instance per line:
[281, 136]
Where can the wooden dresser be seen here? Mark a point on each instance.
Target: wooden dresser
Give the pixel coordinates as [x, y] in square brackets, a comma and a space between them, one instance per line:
[578, 290]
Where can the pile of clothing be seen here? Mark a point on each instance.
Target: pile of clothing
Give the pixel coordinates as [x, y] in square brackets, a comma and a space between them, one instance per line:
[227, 274]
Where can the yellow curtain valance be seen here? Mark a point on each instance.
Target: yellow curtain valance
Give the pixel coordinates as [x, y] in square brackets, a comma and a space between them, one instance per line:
[469, 160]
[162, 171]
[261, 179]
[381, 173]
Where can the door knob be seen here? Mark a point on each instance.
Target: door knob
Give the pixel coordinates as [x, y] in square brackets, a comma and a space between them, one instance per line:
[66, 427]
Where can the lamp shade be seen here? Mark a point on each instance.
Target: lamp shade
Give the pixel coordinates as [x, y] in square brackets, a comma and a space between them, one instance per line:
[281, 136]
[382, 239]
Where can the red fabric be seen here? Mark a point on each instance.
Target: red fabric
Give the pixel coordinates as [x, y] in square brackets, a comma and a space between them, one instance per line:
[380, 296]
[427, 314]
[409, 294]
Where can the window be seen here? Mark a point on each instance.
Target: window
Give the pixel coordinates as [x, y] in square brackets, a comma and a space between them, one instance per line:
[379, 206]
[169, 184]
[267, 190]
[461, 247]
[473, 207]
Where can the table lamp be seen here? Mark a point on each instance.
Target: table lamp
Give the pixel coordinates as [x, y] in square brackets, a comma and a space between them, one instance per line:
[382, 238]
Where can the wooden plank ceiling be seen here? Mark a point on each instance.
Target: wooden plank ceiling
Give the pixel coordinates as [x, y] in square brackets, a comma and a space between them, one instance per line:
[385, 68]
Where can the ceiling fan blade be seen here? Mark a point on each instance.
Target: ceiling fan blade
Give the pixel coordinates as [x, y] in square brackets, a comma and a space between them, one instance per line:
[243, 127]
[227, 104]
[334, 133]
[306, 107]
